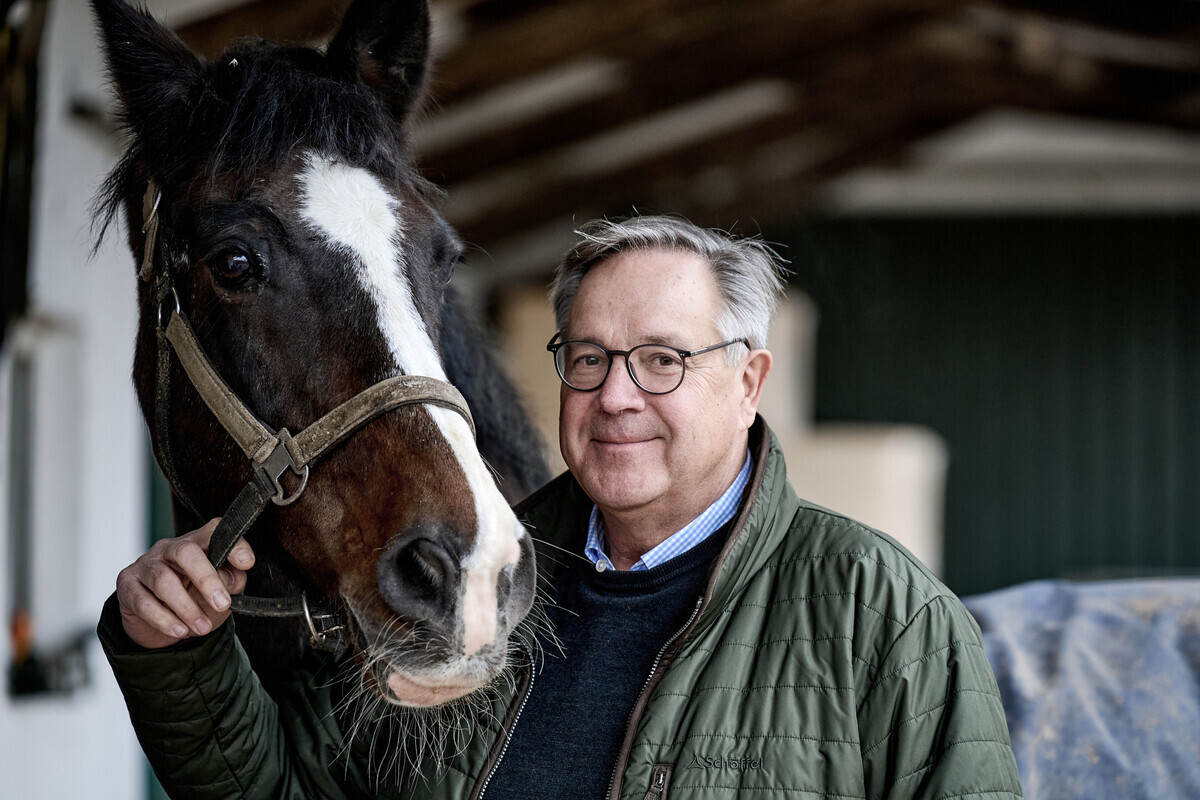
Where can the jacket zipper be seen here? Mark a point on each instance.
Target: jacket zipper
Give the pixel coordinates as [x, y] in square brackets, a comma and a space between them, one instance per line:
[658, 783]
[508, 734]
[612, 782]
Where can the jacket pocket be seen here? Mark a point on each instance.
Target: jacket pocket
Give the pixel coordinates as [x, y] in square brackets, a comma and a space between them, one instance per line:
[660, 781]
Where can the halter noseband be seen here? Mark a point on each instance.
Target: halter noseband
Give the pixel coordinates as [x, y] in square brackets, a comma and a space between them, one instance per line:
[271, 453]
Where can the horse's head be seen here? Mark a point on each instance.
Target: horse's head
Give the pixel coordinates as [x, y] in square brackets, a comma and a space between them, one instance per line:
[312, 264]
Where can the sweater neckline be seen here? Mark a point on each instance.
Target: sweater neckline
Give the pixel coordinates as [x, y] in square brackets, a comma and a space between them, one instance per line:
[648, 579]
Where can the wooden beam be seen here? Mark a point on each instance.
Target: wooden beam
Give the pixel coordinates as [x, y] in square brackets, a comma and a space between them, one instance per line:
[844, 115]
[769, 39]
[639, 31]
[870, 77]
[296, 21]
[855, 111]
[1178, 19]
[494, 54]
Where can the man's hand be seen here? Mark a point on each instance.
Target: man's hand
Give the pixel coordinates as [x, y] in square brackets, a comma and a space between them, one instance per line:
[172, 593]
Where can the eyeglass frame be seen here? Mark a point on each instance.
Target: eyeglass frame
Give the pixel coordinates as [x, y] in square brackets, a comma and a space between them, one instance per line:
[684, 355]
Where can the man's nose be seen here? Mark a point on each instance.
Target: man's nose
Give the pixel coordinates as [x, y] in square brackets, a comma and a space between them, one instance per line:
[619, 392]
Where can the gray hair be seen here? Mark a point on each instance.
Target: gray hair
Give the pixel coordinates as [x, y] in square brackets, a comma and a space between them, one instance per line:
[749, 274]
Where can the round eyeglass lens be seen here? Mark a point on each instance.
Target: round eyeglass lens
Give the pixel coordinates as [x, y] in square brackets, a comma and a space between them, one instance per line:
[656, 369]
[581, 365]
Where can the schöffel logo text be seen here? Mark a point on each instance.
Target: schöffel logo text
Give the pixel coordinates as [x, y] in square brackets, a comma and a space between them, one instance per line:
[730, 762]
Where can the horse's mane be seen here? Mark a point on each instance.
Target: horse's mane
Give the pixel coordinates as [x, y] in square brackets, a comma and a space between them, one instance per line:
[254, 108]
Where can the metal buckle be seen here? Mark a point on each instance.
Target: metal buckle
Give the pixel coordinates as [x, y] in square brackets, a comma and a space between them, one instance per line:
[319, 638]
[171, 293]
[274, 466]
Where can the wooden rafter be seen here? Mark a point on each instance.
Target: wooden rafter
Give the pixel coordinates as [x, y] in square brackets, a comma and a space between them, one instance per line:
[862, 79]
[298, 21]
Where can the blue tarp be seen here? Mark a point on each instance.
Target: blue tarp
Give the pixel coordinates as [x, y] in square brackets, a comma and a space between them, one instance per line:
[1101, 685]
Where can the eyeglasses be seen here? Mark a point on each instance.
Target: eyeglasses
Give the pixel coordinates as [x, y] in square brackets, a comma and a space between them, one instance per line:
[655, 368]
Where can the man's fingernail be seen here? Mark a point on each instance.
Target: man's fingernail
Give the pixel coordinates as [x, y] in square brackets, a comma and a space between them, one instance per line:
[203, 626]
[179, 630]
[220, 600]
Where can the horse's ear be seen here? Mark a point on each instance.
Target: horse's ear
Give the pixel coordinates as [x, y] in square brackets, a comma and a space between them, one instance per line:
[384, 44]
[152, 70]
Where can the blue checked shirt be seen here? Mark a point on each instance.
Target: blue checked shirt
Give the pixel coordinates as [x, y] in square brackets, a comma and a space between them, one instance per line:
[677, 543]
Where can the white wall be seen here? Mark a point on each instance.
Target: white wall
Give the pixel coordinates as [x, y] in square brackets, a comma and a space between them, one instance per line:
[89, 464]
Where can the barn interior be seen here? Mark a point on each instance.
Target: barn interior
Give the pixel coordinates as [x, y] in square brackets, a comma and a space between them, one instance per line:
[989, 210]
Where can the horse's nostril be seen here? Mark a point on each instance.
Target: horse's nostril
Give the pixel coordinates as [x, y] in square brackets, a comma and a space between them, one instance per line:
[418, 576]
[420, 566]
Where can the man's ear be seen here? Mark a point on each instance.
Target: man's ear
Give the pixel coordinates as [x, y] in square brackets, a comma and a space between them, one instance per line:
[754, 377]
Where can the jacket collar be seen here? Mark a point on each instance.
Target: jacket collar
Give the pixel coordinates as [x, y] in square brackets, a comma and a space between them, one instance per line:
[557, 514]
[760, 526]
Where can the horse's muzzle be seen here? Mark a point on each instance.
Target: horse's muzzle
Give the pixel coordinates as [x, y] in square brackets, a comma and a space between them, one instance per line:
[470, 600]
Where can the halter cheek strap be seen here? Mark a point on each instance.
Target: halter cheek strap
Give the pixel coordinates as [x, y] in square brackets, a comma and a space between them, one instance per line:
[271, 452]
[162, 293]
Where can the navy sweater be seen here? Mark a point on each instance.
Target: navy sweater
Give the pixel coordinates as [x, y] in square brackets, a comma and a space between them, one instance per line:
[612, 626]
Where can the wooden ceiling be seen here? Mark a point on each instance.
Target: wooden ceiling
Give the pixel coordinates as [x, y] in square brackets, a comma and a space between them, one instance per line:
[544, 111]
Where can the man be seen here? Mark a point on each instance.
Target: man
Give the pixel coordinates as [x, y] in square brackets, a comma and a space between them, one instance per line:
[711, 635]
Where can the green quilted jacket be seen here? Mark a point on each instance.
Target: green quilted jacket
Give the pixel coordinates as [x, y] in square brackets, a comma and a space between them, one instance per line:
[822, 662]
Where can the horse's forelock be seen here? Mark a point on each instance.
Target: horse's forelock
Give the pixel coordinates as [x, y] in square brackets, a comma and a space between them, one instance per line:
[276, 99]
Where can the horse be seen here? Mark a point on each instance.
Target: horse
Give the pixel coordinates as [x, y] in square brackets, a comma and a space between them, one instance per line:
[293, 278]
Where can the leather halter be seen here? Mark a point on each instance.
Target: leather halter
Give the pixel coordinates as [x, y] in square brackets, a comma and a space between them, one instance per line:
[271, 453]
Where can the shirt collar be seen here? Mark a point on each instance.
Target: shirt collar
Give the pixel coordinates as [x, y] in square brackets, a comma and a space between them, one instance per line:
[678, 543]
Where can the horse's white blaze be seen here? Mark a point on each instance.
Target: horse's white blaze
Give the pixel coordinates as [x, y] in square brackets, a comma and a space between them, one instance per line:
[353, 211]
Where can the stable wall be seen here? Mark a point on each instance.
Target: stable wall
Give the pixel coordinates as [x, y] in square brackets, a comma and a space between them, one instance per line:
[86, 482]
[1058, 356]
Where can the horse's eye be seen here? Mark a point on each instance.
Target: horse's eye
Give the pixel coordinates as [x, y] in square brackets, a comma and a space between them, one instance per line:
[232, 266]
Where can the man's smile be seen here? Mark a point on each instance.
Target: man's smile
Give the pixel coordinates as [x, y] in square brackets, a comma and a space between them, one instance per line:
[623, 439]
